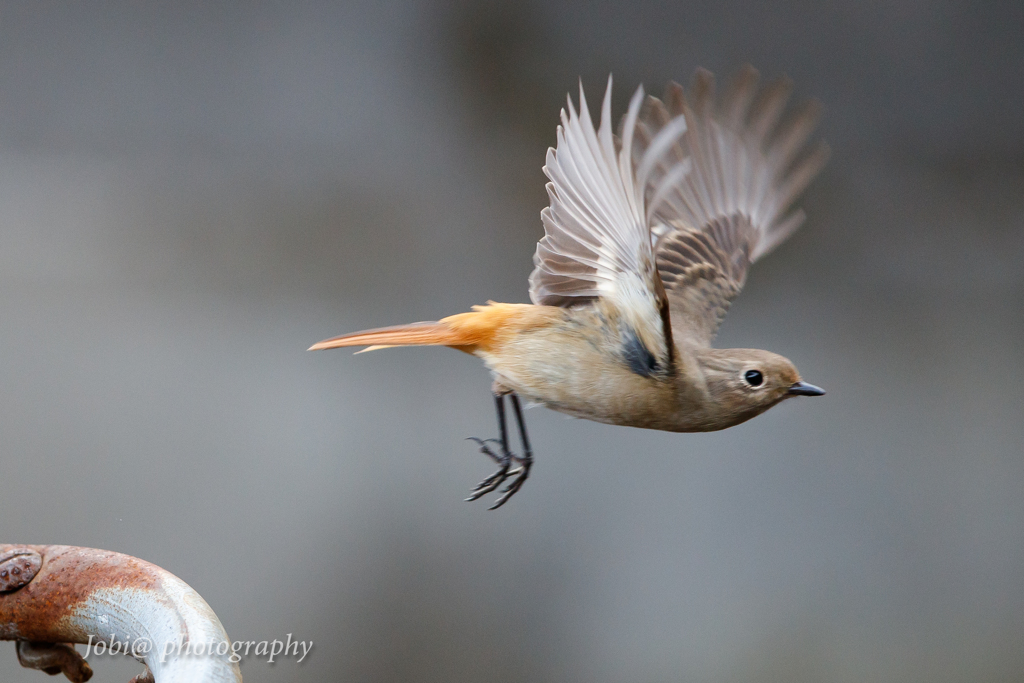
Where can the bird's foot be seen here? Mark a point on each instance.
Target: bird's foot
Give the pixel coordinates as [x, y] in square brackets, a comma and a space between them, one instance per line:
[523, 472]
[504, 459]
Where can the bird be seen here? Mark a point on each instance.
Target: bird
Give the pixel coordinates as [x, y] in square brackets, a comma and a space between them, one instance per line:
[648, 236]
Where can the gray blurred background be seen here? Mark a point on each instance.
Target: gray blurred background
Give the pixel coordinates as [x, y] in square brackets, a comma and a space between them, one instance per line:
[190, 195]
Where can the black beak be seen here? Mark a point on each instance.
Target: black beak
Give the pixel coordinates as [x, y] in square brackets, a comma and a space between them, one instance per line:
[805, 389]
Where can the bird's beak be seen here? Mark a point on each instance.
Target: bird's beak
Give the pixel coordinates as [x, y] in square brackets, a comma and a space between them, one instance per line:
[805, 389]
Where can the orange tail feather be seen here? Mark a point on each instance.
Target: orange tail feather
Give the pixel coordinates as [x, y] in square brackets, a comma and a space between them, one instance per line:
[414, 334]
[465, 331]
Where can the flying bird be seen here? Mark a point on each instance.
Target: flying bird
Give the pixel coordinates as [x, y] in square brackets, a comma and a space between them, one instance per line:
[647, 239]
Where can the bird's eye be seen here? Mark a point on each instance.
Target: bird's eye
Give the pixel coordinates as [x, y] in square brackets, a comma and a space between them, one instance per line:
[754, 378]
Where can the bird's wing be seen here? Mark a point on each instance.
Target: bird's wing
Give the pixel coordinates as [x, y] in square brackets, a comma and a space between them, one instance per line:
[731, 208]
[597, 241]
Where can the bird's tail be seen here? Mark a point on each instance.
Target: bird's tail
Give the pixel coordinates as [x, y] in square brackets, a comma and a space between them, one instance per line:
[465, 331]
[414, 334]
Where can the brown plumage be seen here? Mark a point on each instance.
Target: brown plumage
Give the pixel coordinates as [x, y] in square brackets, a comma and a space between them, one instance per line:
[648, 238]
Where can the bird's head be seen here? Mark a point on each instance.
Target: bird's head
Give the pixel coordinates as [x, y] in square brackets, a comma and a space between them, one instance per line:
[743, 383]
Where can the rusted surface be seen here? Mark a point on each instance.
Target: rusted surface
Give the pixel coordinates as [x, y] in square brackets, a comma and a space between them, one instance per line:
[18, 566]
[54, 658]
[82, 593]
[41, 609]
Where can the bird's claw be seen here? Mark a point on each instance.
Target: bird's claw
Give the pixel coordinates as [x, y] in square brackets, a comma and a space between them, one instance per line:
[490, 483]
[523, 471]
[505, 461]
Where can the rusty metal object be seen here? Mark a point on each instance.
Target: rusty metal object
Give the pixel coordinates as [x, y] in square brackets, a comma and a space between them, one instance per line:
[18, 566]
[54, 658]
[145, 677]
[80, 593]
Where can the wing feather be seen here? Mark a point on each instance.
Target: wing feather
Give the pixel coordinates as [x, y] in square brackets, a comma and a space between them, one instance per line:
[597, 241]
[673, 210]
[731, 208]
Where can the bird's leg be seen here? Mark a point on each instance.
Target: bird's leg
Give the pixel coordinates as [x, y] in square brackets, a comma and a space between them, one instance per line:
[525, 460]
[504, 458]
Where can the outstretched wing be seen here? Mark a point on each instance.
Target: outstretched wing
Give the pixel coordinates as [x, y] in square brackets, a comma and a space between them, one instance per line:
[597, 241]
[731, 208]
